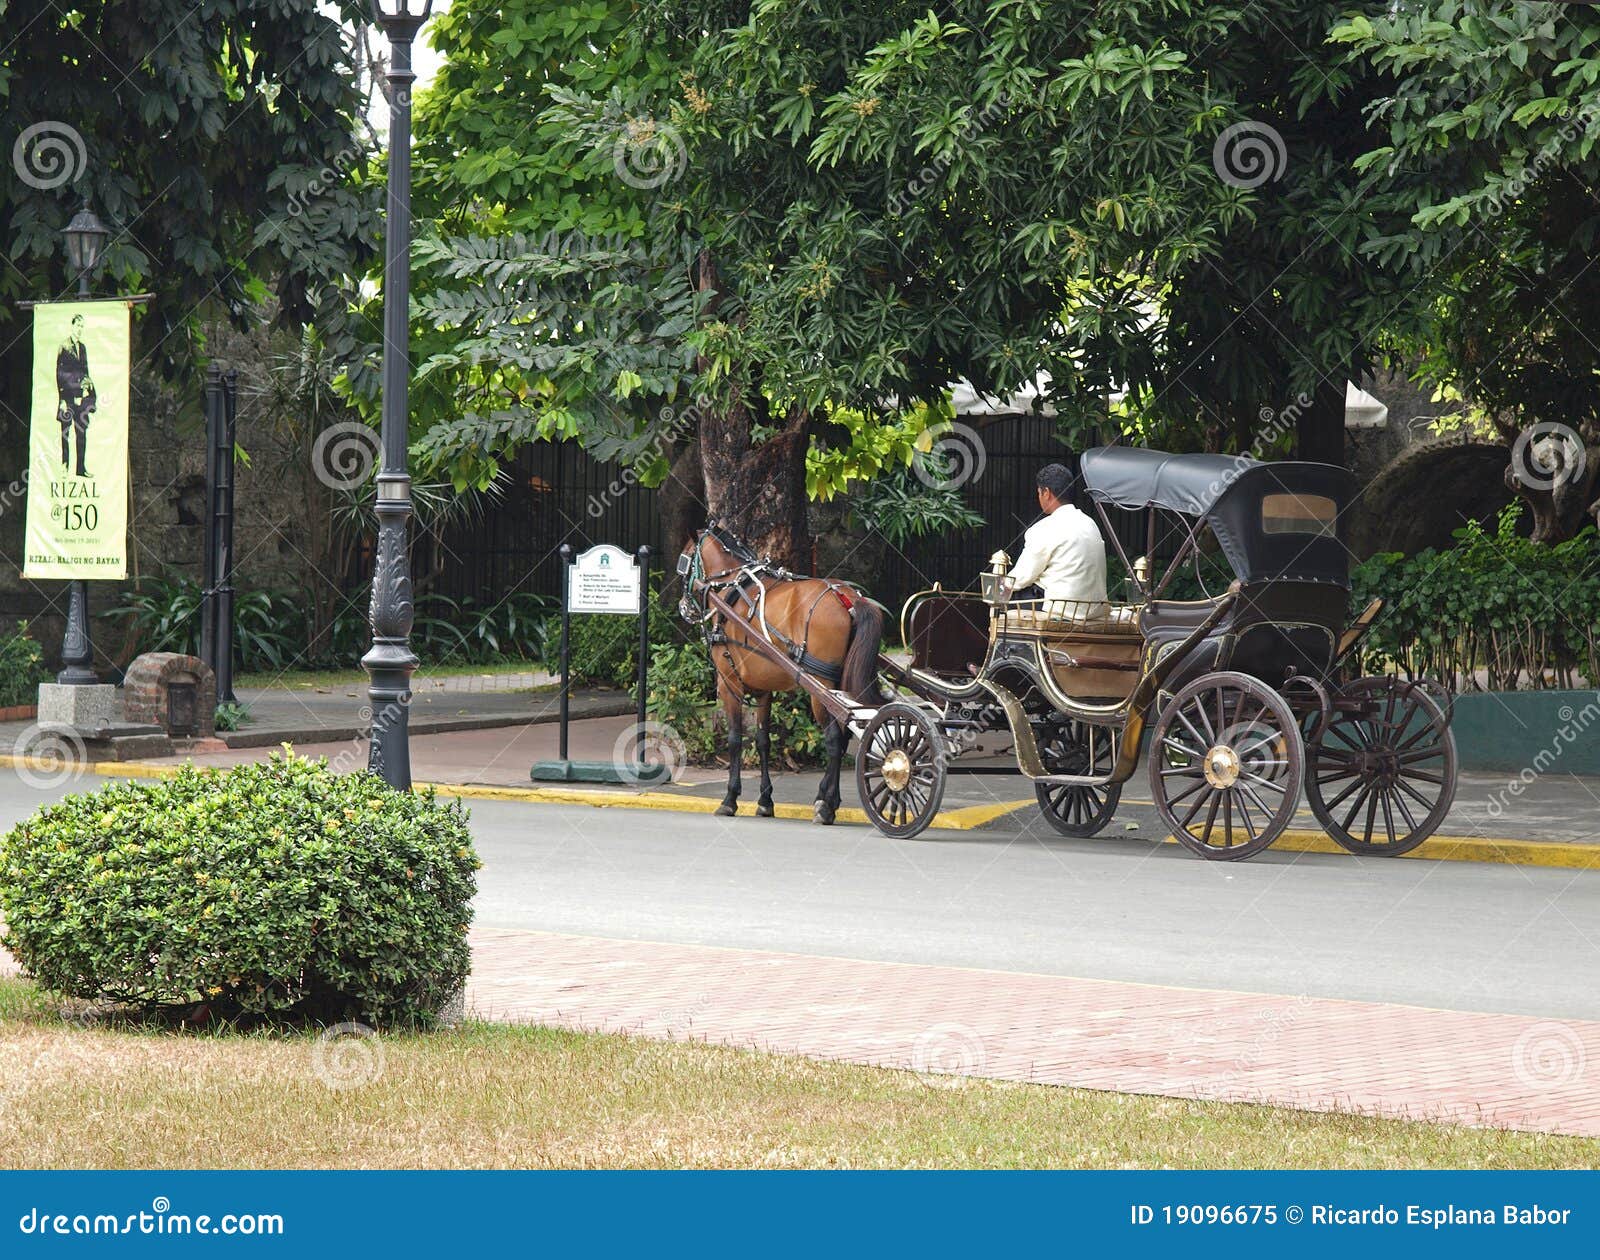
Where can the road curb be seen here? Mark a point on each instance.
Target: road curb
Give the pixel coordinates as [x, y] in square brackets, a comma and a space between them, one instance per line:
[1495, 849]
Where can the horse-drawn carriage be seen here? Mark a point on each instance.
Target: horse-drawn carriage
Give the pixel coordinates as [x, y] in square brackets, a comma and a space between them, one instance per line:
[1245, 693]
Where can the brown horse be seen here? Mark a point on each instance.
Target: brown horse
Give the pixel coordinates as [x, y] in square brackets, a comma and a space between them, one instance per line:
[828, 628]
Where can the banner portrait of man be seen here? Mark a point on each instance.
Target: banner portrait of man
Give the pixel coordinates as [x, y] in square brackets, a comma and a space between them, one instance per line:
[76, 388]
[77, 522]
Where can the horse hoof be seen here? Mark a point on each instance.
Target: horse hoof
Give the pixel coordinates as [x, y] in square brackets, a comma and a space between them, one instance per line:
[822, 815]
[765, 810]
[727, 809]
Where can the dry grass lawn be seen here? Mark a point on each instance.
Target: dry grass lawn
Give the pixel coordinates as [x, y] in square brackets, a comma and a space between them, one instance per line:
[494, 1095]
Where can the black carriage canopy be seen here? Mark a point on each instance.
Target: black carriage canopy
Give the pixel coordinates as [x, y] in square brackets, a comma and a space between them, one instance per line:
[1273, 520]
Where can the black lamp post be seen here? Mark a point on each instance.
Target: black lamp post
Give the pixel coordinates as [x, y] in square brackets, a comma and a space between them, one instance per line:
[390, 661]
[86, 238]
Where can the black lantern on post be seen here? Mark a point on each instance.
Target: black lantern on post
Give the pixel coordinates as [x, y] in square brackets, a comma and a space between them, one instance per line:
[390, 662]
[86, 238]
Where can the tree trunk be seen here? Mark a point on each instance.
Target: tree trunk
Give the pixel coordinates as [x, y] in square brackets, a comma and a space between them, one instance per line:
[680, 500]
[1560, 497]
[1319, 429]
[758, 490]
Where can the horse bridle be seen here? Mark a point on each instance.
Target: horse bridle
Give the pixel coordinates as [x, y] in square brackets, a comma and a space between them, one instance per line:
[692, 569]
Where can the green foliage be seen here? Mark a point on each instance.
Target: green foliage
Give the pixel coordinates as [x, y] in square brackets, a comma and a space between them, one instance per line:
[883, 199]
[21, 667]
[902, 506]
[165, 613]
[231, 716]
[272, 631]
[1485, 145]
[1495, 612]
[277, 889]
[605, 649]
[219, 143]
[683, 696]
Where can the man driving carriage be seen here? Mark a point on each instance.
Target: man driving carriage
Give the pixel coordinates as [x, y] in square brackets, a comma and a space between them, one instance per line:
[1064, 554]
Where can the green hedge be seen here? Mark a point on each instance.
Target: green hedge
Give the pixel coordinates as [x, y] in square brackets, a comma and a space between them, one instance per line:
[1524, 614]
[277, 889]
[682, 696]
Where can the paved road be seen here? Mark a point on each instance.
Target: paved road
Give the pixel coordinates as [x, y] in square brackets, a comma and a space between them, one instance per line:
[1459, 935]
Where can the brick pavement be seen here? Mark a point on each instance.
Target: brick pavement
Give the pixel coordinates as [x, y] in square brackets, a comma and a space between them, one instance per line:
[1313, 1054]
[1309, 1053]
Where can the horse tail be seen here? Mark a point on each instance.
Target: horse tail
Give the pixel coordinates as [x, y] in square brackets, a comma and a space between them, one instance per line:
[859, 680]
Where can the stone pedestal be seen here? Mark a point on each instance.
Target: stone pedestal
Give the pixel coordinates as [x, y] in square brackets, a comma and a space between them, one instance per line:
[86, 708]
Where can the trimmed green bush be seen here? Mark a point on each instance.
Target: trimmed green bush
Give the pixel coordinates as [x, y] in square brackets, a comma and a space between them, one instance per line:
[278, 889]
[21, 667]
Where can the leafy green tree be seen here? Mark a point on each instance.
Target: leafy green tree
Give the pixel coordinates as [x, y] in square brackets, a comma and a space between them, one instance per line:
[844, 208]
[219, 143]
[1488, 149]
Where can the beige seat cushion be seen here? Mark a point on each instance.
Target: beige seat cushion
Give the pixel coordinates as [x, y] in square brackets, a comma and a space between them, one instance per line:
[1067, 619]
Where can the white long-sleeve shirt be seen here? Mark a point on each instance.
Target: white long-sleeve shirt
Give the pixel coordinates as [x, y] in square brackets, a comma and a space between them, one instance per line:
[1066, 556]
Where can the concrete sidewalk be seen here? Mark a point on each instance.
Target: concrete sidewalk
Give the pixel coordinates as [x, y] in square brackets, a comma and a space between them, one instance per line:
[337, 713]
[1312, 1054]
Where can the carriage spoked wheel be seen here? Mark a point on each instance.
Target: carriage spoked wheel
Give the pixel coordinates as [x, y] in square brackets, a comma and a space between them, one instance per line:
[1226, 765]
[1383, 774]
[1074, 747]
[900, 770]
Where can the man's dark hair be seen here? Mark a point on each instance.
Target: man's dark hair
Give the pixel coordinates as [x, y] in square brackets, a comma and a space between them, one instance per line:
[1057, 479]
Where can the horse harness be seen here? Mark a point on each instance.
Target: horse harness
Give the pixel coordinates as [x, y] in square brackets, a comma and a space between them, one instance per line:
[745, 588]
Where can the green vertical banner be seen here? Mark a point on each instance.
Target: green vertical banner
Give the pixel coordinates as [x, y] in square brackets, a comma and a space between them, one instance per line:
[78, 441]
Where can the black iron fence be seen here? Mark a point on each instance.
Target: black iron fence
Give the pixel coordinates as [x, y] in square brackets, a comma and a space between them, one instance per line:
[557, 494]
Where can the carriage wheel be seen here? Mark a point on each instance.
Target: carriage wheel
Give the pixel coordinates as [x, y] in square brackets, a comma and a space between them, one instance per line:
[1074, 747]
[1226, 764]
[900, 770]
[1383, 775]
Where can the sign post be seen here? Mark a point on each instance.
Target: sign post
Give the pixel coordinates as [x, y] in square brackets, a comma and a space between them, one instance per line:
[607, 581]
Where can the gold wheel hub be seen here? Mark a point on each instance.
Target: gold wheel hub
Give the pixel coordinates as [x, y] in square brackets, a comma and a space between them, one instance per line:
[897, 770]
[1222, 766]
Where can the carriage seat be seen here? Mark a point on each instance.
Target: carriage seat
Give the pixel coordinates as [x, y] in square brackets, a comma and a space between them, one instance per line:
[1054, 618]
[1092, 650]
